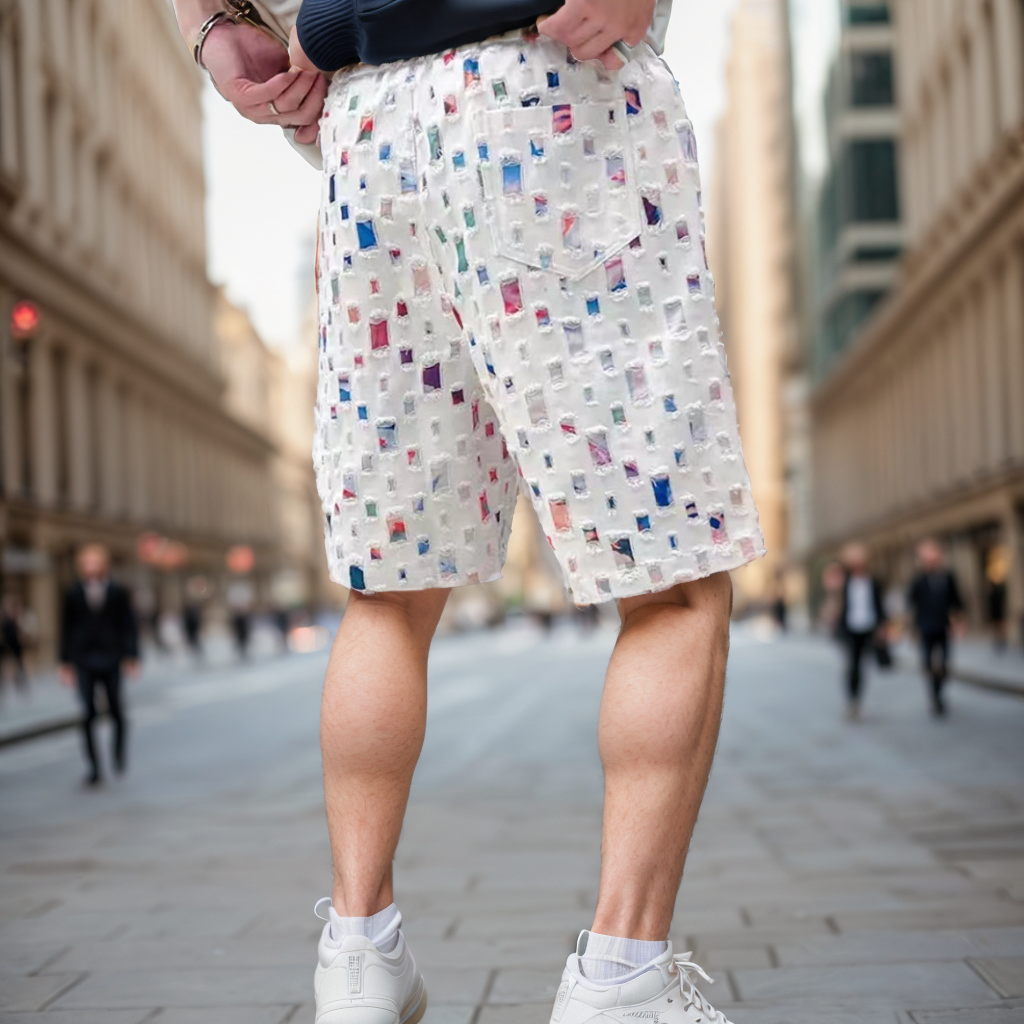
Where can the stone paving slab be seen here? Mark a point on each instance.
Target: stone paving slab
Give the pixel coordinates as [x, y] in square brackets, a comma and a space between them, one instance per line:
[1005, 974]
[34, 993]
[254, 1014]
[898, 947]
[972, 1015]
[220, 987]
[839, 873]
[436, 1014]
[528, 1013]
[76, 1017]
[518, 986]
[923, 985]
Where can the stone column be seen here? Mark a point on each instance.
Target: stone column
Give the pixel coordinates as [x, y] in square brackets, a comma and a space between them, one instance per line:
[79, 433]
[44, 599]
[109, 446]
[43, 421]
[1013, 532]
[10, 425]
[1009, 29]
[134, 478]
[1013, 325]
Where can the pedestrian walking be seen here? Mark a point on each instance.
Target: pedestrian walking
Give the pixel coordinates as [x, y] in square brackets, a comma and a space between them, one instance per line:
[192, 621]
[935, 602]
[99, 641]
[861, 622]
[11, 645]
[512, 282]
[997, 598]
[240, 597]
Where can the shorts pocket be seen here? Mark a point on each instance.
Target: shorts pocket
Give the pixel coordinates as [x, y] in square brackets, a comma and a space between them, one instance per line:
[559, 184]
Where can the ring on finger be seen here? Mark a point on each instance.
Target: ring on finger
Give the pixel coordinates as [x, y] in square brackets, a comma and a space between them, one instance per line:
[273, 108]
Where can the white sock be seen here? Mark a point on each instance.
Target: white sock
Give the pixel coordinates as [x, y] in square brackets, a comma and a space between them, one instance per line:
[381, 929]
[606, 957]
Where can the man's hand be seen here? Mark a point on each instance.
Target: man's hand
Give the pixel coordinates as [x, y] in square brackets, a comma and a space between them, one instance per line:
[66, 673]
[132, 668]
[252, 72]
[589, 27]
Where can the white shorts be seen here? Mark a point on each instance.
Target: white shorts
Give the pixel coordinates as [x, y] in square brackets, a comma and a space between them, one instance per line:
[514, 293]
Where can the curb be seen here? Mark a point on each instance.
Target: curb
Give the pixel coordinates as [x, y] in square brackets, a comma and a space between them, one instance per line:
[987, 683]
[32, 732]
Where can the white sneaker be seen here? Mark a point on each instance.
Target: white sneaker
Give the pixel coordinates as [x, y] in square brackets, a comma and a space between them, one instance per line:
[662, 992]
[355, 983]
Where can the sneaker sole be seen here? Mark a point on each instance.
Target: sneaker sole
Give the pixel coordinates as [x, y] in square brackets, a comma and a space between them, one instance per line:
[415, 1015]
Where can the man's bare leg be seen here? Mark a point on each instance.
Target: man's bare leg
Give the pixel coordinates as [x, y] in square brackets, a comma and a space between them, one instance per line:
[658, 728]
[372, 723]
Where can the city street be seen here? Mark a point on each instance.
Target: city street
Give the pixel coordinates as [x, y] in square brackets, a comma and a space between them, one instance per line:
[840, 873]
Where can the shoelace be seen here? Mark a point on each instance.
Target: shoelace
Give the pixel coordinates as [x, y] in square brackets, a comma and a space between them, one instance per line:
[690, 991]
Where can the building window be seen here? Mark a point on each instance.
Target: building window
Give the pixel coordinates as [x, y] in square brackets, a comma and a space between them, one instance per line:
[841, 321]
[869, 13]
[871, 79]
[869, 190]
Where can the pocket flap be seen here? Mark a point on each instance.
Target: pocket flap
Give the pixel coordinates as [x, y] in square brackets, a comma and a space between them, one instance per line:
[559, 184]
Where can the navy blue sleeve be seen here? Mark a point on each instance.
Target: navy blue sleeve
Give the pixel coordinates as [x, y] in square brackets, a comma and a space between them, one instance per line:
[328, 33]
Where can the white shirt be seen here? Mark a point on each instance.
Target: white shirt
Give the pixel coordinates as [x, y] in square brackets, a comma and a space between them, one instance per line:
[96, 593]
[860, 605]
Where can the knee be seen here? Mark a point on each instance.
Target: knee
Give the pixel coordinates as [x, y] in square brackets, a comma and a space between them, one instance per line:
[415, 612]
[708, 600]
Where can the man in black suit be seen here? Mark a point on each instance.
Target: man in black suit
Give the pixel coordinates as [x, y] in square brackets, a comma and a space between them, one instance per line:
[861, 622]
[98, 639]
[936, 603]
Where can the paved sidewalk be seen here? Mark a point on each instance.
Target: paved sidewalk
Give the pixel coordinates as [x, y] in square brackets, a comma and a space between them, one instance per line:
[839, 873]
[44, 705]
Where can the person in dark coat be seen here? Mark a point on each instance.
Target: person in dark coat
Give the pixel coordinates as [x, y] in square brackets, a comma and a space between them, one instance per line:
[10, 642]
[935, 601]
[99, 639]
[861, 619]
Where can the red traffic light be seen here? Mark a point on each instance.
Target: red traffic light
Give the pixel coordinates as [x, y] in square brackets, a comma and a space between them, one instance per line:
[24, 320]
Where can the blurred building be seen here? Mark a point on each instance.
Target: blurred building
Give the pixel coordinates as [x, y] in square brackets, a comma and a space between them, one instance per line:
[751, 250]
[273, 392]
[918, 420]
[112, 419]
[858, 232]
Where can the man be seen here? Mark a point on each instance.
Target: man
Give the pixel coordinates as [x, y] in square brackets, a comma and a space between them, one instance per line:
[581, 351]
[861, 619]
[99, 640]
[936, 603]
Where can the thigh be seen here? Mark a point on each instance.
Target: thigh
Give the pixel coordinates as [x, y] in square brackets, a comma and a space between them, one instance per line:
[593, 312]
[416, 483]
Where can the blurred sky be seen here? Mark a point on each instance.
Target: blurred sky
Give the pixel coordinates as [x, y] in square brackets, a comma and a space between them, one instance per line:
[262, 197]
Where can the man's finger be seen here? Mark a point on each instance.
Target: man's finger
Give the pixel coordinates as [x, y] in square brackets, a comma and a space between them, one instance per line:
[307, 133]
[313, 105]
[294, 96]
[569, 28]
[612, 60]
[246, 93]
[595, 46]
